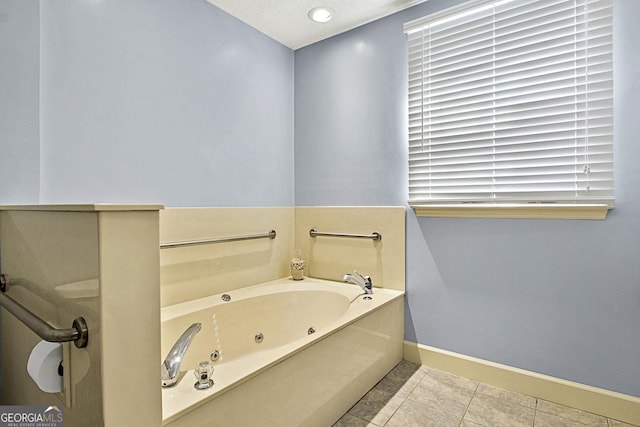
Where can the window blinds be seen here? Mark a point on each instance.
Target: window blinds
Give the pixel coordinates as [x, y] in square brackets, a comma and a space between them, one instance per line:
[511, 101]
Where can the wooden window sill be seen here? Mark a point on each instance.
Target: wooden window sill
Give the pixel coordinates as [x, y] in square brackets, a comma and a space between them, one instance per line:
[522, 211]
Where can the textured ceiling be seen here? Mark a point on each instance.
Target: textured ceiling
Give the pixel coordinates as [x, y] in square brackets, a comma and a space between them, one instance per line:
[286, 21]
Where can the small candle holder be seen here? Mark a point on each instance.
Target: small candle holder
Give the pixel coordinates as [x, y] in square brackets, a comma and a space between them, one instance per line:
[297, 266]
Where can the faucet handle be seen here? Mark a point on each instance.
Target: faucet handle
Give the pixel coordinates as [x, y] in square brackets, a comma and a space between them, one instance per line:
[360, 275]
[203, 372]
[367, 279]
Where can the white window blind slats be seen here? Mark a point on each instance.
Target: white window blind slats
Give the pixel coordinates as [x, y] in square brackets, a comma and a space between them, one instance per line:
[512, 101]
[486, 147]
[557, 158]
[517, 57]
[464, 94]
[515, 21]
[455, 166]
[507, 115]
[535, 111]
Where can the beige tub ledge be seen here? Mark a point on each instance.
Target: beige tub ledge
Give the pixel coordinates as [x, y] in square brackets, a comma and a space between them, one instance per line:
[87, 207]
[82, 289]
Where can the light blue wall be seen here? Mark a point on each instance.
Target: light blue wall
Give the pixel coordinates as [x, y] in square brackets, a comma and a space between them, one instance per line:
[19, 113]
[551, 296]
[162, 101]
[19, 118]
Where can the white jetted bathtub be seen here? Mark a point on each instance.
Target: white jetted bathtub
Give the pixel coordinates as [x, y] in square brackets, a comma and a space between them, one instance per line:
[287, 353]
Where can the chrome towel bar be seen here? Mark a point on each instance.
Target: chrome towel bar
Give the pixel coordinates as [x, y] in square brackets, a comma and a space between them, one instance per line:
[78, 333]
[373, 236]
[270, 235]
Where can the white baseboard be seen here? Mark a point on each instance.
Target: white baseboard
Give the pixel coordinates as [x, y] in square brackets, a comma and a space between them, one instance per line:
[592, 399]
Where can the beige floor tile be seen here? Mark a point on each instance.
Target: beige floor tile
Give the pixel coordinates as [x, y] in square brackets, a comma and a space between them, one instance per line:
[449, 393]
[414, 395]
[405, 370]
[493, 412]
[349, 420]
[616, 423]
[452, 380]
[570, 415]
[402, 379]
[508, 395]
[549, 420]
[376, 406]
[412, 414]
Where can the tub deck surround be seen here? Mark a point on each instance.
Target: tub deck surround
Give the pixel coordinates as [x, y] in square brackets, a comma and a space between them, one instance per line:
[282, 310]
[192, 272]
[331, 257]
[188, 273]
[86, 207]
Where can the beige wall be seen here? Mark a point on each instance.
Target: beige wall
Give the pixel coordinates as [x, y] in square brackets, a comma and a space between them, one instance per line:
[40, 252]
[192, 272]
[130, 311]
[331, 257]
[188, 273]
[101, 263]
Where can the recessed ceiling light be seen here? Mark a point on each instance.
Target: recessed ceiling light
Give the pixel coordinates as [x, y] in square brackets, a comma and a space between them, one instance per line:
[320, 14]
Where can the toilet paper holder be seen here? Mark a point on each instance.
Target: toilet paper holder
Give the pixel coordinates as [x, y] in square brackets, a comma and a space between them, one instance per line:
[78, 333]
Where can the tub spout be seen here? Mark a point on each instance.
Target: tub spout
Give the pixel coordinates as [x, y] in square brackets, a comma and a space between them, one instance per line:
[171, 365]
[363, 281]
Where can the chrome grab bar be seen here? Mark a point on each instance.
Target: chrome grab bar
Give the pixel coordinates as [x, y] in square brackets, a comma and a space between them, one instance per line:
[270, 235]
[78, 333]
[373, 236]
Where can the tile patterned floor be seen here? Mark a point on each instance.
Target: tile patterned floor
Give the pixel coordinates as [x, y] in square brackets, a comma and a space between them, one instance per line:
[414, 395]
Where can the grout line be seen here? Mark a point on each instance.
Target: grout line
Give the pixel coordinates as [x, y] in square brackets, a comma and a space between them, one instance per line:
[394, 412]
[469, 404]
[424, 374]
[367, 421]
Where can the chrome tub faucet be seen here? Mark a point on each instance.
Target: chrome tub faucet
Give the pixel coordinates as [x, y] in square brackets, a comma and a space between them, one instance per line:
[171, 365]
[363, 281]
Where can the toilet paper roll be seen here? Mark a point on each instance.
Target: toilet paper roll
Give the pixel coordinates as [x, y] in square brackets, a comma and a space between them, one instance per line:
[42, 366]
